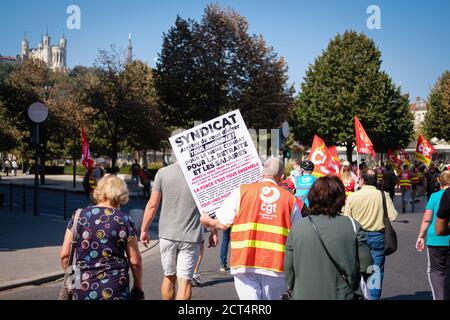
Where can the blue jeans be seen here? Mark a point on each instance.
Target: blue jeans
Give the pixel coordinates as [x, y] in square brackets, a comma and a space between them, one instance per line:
[224, 247]
[375, 241]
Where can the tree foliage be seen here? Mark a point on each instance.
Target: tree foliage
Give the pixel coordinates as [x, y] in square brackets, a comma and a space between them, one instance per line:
[213, 66]
[32, 81]
[346, 80]
[437, 119]
[122, 104]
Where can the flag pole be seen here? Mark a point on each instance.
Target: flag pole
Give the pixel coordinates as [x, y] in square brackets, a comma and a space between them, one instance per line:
[357, 162]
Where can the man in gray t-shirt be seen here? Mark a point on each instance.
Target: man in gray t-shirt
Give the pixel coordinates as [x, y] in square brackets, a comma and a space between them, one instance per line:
[179, 231]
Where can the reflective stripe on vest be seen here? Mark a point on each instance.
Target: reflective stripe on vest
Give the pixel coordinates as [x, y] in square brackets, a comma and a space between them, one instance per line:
[260, 227]
[380, 177]
[405, 180]
[260, 231]
[92, 184]
[415, 179]
[258, 244]
[405, 183]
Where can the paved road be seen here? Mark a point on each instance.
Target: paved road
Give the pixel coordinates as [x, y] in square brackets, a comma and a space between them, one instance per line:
[215, 286]
[405, 275]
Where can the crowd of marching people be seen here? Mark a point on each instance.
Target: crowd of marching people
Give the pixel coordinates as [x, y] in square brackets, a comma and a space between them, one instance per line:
[298, 237]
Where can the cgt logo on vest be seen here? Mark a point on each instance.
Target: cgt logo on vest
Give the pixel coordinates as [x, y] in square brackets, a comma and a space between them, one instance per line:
[269, 196]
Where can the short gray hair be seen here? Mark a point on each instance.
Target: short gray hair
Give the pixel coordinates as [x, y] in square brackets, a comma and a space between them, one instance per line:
[273, 167]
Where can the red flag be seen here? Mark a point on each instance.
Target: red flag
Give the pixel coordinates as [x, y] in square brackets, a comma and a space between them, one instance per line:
[363, 143]
[86, 159]
[424, 150]
[393, 159]
[322, 159]
[404, 157]
[335, 157]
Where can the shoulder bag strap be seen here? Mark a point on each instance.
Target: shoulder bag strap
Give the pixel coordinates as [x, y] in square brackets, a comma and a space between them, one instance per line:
[336, 265]
[385, 211]
[73, 243]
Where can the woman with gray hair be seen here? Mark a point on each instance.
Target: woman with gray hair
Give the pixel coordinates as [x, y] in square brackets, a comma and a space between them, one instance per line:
[106, 247]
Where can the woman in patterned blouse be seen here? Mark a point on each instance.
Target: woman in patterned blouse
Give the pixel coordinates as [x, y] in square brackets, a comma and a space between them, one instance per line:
[106, 248]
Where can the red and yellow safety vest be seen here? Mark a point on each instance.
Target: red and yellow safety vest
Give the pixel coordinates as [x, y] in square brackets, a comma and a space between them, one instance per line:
[262, 224]
[405, 180]
[380, 176]
[415, 178]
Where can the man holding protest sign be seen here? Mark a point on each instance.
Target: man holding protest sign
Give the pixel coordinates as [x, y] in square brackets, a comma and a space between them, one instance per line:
[179, 231]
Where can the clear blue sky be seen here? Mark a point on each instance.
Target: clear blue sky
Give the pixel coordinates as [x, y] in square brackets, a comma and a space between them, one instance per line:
[414, 39]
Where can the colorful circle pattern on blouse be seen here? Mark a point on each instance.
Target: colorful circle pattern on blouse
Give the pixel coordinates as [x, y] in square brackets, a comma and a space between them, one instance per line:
[102, 237]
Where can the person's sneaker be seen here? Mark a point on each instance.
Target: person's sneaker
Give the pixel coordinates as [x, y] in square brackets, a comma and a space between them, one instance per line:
[196, 279]
[224, 268]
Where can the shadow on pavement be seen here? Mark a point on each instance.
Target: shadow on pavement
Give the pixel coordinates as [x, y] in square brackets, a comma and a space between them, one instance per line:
[215, 281]
[420, 295]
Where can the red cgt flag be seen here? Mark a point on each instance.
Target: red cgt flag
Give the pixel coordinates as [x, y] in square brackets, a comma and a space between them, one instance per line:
[363, 143]
[335, 157]
[86, 159]
[393, 159]
[424, 150]
[322, 159]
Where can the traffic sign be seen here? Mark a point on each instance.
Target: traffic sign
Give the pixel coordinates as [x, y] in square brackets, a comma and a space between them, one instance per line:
[38, 112]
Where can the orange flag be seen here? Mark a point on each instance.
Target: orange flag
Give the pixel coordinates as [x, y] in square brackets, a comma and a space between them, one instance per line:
[322, 159]
[335, 157]
[424, 150]
[363, 143]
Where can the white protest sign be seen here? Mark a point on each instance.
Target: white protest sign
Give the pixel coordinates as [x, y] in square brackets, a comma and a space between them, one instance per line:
[216, 157]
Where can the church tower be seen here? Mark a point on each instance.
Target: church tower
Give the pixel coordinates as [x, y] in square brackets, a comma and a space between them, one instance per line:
[63, 47]
[25, 48]
[47, 53]
[130, 49]
[55, 56]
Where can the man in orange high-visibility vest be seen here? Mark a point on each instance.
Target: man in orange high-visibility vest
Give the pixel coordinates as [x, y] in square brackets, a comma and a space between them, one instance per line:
[405, 188]
[260, 215]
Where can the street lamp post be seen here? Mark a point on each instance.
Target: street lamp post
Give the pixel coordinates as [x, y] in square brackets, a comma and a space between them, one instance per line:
[38, 113]
[74, 158]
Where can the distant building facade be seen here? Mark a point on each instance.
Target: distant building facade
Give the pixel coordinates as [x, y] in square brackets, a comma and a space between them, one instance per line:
[55, 56]
[419, 110]
[8, 59]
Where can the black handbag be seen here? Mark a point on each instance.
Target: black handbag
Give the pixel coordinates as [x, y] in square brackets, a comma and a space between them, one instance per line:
[390, 237]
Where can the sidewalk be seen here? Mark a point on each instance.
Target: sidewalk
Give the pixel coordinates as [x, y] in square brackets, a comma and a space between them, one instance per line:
[30, 247]
[58, 182]
[52, 182]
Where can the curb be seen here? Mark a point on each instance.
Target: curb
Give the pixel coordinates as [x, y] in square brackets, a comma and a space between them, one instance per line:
[53, 276]
[37, 280]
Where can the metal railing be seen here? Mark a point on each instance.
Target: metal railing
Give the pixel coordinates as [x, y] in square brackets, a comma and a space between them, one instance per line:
[17, 197]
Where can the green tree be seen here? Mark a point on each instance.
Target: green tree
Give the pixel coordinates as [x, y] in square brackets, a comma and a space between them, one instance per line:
[8, 132]
[5, 70]
[437, 119]
[346, 81]
[32, 81]
[213, 66]
[122, 104]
